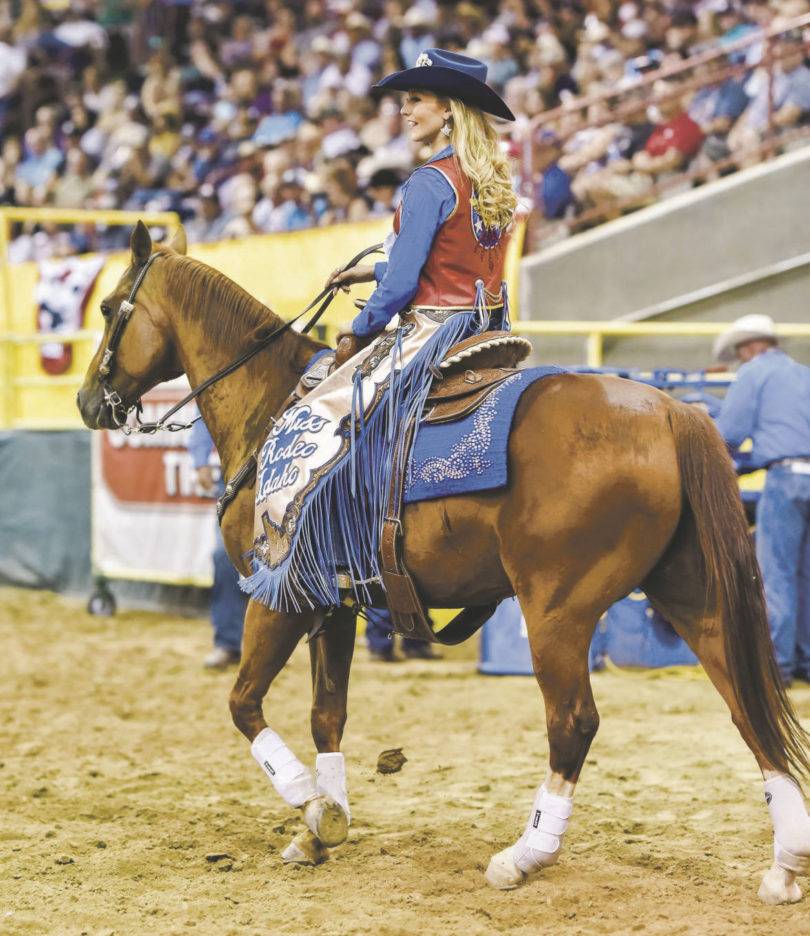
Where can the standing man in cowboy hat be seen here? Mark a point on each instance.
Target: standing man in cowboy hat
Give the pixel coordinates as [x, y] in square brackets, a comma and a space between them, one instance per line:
[770, 403]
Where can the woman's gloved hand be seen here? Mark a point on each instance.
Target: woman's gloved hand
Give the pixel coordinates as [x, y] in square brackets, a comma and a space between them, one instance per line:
[348, 344]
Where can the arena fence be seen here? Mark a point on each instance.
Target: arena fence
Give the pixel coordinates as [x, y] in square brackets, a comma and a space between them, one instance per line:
[594, 333]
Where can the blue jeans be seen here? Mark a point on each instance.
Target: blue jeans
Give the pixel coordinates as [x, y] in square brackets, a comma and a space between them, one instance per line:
[783, 520]
[228, 601]
[378, 631]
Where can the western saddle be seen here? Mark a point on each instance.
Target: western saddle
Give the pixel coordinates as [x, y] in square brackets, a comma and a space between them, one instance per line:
[470, 371]
[462, 381]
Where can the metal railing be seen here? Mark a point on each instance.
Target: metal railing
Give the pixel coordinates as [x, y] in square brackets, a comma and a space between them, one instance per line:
[595, 332]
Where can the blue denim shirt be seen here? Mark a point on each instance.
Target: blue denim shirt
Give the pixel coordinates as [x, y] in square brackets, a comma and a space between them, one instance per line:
[428, 200]
[769, 403]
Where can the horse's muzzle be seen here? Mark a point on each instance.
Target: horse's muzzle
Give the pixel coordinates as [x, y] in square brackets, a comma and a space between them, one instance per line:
[94, 413]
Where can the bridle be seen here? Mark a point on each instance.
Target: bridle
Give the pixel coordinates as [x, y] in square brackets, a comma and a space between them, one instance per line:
[119, 410]
[112, 398]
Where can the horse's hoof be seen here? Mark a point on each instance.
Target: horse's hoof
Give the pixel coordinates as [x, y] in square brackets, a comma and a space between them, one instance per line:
[503, 873]
[326, 820]
[779, 887]
[305, 849]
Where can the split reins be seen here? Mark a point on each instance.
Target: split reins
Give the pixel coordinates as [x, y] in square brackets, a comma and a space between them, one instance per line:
[120, 410]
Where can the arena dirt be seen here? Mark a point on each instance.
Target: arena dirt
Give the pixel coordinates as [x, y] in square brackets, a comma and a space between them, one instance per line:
[120, 773]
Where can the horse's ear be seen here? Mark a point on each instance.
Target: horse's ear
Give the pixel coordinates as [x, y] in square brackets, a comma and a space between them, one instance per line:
[178, 243]
[140, 243]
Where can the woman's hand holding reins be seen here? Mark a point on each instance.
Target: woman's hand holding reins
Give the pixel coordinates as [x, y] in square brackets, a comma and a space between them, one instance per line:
[362, 273]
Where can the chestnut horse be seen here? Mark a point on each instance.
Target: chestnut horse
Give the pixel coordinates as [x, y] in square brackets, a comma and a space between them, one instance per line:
[613, 486]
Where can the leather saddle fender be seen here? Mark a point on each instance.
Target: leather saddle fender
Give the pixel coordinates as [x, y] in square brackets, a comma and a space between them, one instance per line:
[470, 371]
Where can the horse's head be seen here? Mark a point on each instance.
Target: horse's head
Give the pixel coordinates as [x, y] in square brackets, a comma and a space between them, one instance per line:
[137, 350]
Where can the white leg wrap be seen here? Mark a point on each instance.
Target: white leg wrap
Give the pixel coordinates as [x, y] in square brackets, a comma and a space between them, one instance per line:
[330, 779]
[791, 824]
[292, 780]
[539, 846]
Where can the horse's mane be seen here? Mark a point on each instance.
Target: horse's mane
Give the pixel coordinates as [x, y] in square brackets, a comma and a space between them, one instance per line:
[226, 311]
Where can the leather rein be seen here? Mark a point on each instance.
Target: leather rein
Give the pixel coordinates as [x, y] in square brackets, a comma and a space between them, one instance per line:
[120, 411]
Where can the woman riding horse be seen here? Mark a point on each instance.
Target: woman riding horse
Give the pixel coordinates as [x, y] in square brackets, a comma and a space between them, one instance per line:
[635, 490]
[323, 478]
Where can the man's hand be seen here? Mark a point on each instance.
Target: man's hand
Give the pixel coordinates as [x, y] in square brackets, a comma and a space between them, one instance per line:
[206, 481]
[362, 273]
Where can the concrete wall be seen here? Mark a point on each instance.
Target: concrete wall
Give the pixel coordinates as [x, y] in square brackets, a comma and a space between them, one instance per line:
[690, 241]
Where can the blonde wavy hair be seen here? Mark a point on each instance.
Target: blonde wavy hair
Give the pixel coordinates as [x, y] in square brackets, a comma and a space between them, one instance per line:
[481, 159]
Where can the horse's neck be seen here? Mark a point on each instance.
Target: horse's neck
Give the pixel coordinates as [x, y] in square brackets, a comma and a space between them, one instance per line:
[237, 409]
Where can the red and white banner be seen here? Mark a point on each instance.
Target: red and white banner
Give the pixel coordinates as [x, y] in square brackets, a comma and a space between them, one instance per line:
[150, 521]
[62, 292]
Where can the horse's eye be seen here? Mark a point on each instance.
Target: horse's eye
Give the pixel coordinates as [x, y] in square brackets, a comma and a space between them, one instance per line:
[106, 311]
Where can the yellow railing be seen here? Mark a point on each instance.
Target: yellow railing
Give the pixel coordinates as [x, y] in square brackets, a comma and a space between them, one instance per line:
[595, 332]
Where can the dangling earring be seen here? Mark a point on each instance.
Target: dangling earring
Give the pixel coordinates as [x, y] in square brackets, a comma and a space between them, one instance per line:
[447, 130]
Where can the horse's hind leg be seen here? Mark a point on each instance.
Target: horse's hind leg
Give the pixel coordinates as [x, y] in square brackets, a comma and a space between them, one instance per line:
[559, 643]
[677, 589]
[331, 655]
[269, 640]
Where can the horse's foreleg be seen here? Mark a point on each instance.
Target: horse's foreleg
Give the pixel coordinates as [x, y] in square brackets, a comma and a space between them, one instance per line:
[269, 640]
[560, 659]
[331, 657]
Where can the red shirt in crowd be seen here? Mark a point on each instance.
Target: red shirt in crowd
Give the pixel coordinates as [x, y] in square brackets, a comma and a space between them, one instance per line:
[680, 133]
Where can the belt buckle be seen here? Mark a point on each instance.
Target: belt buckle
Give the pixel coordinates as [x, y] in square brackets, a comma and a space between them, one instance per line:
[799, 467]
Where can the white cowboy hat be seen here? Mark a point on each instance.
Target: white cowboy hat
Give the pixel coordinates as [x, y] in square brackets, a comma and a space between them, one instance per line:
[747, 328]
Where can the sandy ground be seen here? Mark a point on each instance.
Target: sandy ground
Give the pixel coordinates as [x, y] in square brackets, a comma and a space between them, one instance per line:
[120, 772]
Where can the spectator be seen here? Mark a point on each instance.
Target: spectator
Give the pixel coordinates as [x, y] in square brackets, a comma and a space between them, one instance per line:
[675, 139]
[554, 196]
[38, 168]
[769, 403]
[790, 102]
[291, 213]
[344, 201]
[383, 190]
[228, 601]
[380, 640]
[12, 66]
[206, 223]
[618, 181]
[715, 108]
[73, 189]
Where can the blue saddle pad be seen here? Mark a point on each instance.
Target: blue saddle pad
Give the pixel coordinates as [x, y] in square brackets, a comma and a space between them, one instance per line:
[470, 455]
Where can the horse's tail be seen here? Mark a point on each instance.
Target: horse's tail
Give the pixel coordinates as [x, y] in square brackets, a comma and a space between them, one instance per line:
[734, 587]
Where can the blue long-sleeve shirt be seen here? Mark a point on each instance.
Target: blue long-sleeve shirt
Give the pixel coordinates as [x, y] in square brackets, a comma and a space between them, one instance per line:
[769, 403]
[200, 444]
[428, 200]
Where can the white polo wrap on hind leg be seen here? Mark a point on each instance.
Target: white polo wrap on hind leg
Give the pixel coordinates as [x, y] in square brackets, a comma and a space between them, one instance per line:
[330, 779]
[791, 824]
[539, 846]
[293, 781]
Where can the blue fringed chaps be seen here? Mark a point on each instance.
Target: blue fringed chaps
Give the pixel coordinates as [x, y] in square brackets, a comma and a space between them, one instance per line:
[341, 520]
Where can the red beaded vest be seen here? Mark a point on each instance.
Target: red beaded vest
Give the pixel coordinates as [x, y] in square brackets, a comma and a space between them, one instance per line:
[463, 251]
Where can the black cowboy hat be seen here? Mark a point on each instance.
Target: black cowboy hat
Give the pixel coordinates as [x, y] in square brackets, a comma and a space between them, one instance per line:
[449, 74]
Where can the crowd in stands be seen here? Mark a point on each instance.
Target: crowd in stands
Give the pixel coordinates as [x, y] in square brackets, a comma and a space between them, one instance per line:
[251, 116]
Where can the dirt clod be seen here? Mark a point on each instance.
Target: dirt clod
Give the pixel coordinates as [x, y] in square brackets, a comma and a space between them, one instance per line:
[391, 761]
